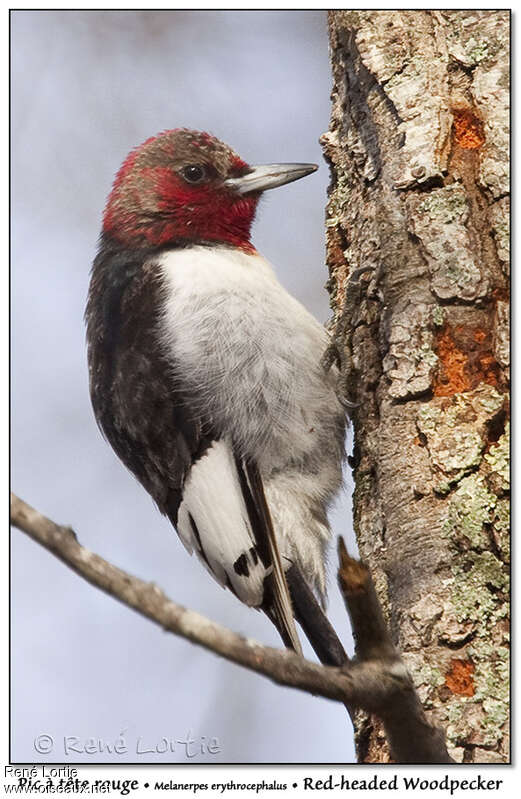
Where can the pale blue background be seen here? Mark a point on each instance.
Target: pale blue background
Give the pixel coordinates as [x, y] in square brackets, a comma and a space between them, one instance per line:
[86, 87]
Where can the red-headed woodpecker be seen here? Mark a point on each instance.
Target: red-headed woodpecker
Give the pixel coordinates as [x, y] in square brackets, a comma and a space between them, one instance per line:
[206, 377]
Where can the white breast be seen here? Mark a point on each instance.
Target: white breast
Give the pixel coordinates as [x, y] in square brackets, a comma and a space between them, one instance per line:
[248, 351]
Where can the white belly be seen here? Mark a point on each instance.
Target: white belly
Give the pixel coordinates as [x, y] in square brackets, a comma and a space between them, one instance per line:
[248, 351]
[248, 354]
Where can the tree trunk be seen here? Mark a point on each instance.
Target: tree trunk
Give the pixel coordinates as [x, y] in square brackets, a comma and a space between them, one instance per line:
[419, 148]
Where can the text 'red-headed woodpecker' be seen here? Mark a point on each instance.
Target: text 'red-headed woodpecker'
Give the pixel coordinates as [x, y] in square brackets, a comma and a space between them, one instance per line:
[206, 377]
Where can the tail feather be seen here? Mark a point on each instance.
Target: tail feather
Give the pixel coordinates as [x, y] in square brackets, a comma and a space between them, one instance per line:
[314, 622]
[287, 595]
[278, 601]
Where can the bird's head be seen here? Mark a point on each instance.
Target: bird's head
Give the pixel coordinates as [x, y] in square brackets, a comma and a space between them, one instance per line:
[185, 186]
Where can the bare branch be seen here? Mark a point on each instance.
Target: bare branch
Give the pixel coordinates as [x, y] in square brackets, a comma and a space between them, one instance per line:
[379, 685]
[362, 686]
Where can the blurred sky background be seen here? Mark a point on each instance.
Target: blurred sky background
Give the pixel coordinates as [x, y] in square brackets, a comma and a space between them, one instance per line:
[86, 88]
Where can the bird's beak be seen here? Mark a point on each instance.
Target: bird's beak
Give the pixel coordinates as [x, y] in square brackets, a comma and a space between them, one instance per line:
[269, 176]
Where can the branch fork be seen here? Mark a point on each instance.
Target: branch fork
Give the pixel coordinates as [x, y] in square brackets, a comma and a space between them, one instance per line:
[375, 681]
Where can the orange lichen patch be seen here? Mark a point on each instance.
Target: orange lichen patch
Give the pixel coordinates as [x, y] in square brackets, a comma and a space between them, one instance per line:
[467, 129]
[451, 378]
[337, 266]
[335, 254]
[465, 359]
[459, 678]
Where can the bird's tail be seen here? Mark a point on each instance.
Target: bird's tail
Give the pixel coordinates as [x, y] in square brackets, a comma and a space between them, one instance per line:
[313, 620]
[287, 595]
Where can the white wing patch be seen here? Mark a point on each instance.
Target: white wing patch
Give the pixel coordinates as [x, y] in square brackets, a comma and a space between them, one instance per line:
[213, 520]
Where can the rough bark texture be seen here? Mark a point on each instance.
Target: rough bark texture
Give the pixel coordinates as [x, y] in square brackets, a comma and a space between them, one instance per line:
[419, 150]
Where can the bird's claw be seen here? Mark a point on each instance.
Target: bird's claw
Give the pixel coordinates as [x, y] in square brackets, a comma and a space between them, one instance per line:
[357, 274]
[347, 404]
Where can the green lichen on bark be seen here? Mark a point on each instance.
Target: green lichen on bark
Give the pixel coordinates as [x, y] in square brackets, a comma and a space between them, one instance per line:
[479, 578]
[428, 676]
[491, 681]
[470, 48]
[476, 582]
[476, 597]
[446, 205]
[454, 715]
[469, 510]
[438, 316]
[498, 459]
[410, 361]
[478, 587]
[440, 223]
[501, 528]
[476, 530]
[455, 432]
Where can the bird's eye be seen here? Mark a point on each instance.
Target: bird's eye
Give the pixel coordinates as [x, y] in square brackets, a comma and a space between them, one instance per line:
[194, 173]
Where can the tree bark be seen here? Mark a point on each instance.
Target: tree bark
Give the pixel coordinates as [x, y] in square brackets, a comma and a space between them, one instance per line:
[417, 239]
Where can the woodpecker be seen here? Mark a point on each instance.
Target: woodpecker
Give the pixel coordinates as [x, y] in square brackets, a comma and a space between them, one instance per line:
[206, 377]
